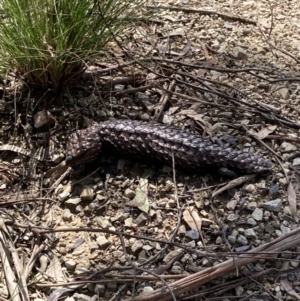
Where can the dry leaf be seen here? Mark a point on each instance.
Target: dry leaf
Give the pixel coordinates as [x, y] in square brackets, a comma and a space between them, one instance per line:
[141, 194]
[263, 133]
[292, 201]
[192, 218]
[286, 284]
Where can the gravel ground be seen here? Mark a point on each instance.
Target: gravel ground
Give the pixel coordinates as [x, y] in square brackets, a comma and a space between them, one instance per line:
[232, 76]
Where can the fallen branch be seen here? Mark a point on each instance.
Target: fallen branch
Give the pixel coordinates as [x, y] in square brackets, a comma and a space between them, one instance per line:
[285, 242]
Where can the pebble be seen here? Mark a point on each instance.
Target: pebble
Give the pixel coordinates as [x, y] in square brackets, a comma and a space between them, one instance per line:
[283, 93]
[239, 53]
[171, 255]
[273, 206]
[284, 229]
[296, 162]
[78, 209]
[63, 196]
[136, 246]
[250, 233]
[274, 189]
[87, 194]
[251, 221]
[250, 188]
[231, 239]
[219, 240]
[112, 286]
[99, 289]
[141, 219]
[72, 202]
[70, 264]
[129, 193]
[81, 297]
[176, 269]
[287, 147]
[232, 217]
[193, 234]
[103, 222]
[67, 215]
[43, 119]
[231, 205]
[242, 240]
[119, 216]
[242, 249]
[102, 242]
[239, 290]
[257, 214]
[128, 222]
[252, 206]
[258, 267]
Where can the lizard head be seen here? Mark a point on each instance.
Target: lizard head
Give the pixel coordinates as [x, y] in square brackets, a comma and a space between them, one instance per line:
[83, 146]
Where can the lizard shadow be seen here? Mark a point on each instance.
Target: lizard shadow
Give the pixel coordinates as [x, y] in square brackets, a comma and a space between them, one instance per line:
[117, 180]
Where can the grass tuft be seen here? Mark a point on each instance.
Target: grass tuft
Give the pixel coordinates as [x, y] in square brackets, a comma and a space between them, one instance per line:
[49, 42]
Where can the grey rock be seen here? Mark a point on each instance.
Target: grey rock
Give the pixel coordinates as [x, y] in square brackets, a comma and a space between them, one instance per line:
[239, 53]
[136, 246]
[242, 249]
[287, 147]
[70, 264]
[64, 195]
[43, 119]
[142, 218]
[176, 269]
[193, 234]
[206, 263]
[231, 239]
[257, 214]
[287, 254]
[219, 240]
[129, 193]
[251, 221]
[259, 268]
[250, 233]
[78, 209]
[67, 215]
[145, 117]
[72, 202]
[239, 290]
[231, 205]
[171, 255]
[148, 289]
[242, 240]
[273, 206]
[250, 188]
[142, 256]
[112, 286]
[284, 229]
[232, 217]
[128, 222]
[81, 297]
[119, 216]
[99, 289]
[147, 247]
[296, 161]
[102, 242]
[269, 228]
[283, 93]
[103, 222]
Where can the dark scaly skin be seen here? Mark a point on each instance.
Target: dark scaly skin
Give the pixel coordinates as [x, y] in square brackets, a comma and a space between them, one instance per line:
[155, 141]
